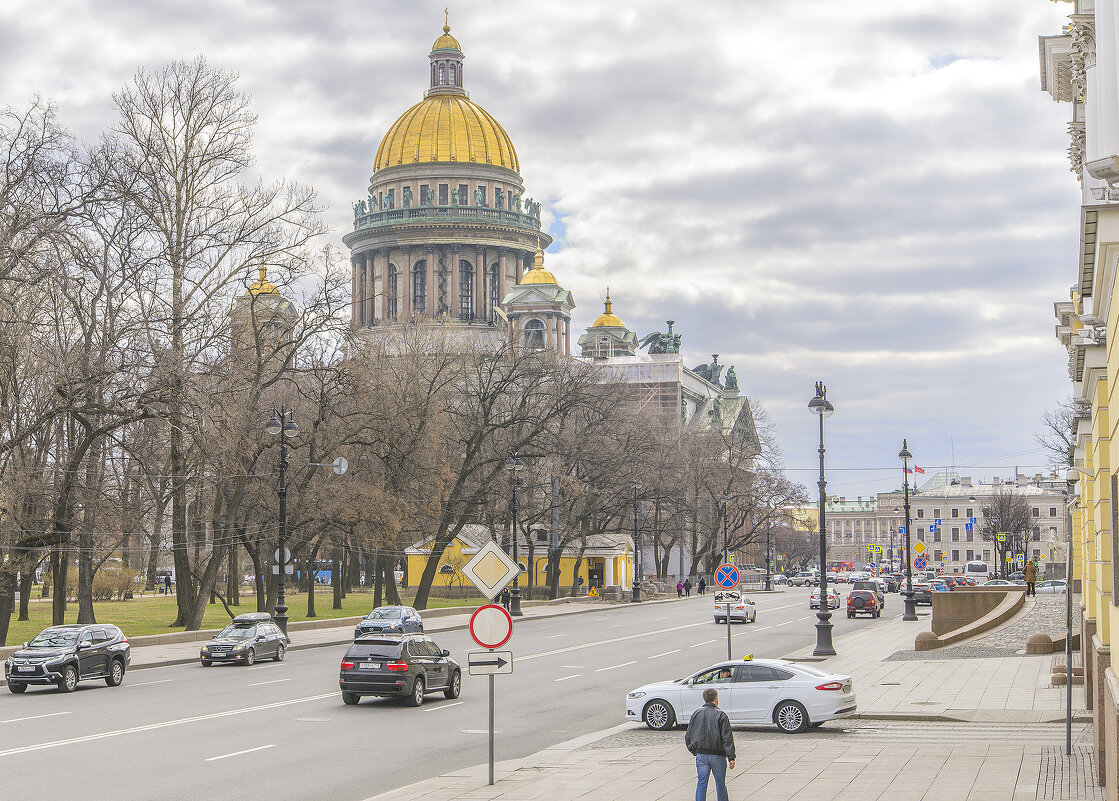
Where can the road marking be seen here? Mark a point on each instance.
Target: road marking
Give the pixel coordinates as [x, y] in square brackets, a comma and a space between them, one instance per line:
[444, 706]
[616, 627]
[141, 684]
[163, 725]
[34, 717]
[614, 640]
[238, 753]
[656, 619]
[666, 653]
[787, 622]
[763, 628]
[612, 667]
[260, 683]
[553, 636]
[705, 642]
[478, 731]
[572, 676]
[572, 667]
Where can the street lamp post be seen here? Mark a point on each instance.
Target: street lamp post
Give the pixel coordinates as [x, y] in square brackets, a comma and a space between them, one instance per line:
[822, 407]
[768, 572]
[514, 465]
[636, 546]
[910, 612]
[724, 499]
[282, 423]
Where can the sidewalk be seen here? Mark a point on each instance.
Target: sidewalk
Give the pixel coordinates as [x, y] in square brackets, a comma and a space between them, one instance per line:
[930, 726]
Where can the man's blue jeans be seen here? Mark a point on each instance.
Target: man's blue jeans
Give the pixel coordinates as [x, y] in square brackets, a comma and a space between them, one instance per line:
[705, 765]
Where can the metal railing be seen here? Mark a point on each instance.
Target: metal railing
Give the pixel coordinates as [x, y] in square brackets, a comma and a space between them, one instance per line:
[428, 214]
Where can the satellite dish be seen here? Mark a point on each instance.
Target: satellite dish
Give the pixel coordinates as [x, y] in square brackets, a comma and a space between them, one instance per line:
[340, 466]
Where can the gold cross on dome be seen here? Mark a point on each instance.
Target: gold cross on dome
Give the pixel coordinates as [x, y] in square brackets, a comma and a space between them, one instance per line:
[446, 16]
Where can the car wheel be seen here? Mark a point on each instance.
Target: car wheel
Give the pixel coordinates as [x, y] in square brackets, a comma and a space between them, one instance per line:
[69, 681]
[250, 657]
[455, 687]
[658, 715]
[206, 663]
[16, 687]
[850, 614]
[417, 696]
[790, 717]
[279, 657]
[350, 699]
[116, 673]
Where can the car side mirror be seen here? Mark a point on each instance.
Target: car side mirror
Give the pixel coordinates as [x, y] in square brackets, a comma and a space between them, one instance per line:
[445, 652]
[260, 638]
[82, 646]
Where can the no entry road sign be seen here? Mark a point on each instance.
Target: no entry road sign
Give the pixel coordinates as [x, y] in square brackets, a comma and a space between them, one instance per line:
[726, 576]
[491, 626]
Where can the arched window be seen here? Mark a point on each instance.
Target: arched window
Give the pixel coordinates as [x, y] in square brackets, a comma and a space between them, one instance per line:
[393, 289]
[493, 289]
[534, 335]
[454, 76]
[465, 290]
[419, 287]
[442, 75]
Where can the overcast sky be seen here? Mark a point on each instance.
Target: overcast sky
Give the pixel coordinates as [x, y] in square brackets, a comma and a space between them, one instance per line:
[875, 194]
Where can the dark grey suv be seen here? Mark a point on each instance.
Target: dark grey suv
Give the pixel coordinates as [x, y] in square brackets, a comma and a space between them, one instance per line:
[65, 655]
[407, 665]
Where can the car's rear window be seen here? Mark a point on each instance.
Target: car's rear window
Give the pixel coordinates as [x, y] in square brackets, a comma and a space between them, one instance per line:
[376, 648]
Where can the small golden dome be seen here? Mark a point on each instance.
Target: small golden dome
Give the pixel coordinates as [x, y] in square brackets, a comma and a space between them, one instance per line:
[446, 41]
[263, 286]
[538, 275]
[608, 319]
[446, 127]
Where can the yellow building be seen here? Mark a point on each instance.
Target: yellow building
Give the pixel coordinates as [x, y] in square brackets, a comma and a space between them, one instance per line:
[604, 563]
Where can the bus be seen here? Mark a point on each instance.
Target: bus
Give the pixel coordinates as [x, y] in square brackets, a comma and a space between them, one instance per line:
[977, 570]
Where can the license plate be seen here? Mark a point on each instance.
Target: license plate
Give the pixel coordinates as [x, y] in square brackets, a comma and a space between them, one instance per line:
[369, 666]
[26, 669]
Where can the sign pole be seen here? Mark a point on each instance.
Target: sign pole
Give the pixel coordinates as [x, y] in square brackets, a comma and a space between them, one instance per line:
[729, 657]
[491, 729]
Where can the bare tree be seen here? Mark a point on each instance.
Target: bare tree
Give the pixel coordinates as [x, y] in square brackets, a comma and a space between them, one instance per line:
[1006, 512]
[1058, 432]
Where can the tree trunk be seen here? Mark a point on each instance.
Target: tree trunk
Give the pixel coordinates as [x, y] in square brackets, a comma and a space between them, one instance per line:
[311, 574]
[392, 597]
[7, 602]
[336, 576]
[233, 577]
[24, 596]
[60, 567]
[153, 545]
[85, 575]
[377, 584]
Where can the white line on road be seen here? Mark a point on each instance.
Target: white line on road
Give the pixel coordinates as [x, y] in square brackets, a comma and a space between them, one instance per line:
[609, 642]
[787, 622]
[553, 636]
[666, 653]
[572, 667]
[612, 667]
[141, 684]
[259, 683]
[34, 717]
[565, 678]
[705, 642]
[763, 628]
[616, 627]
[238, 753]
[165, 724]
[444, 706]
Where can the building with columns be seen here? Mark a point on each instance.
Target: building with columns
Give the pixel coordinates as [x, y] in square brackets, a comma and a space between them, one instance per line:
[445, 231]
[1080, 66]
[539, 311]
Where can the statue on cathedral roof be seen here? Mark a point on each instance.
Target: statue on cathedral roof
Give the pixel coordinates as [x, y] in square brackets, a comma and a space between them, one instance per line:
[407, 197]
[711, 372]
[732, 379]
[666, 342]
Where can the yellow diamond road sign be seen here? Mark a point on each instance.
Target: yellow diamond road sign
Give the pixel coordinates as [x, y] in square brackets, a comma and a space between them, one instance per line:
[490, 570]
[920, 547]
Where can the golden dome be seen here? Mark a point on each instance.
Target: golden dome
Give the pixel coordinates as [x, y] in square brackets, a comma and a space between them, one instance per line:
[608, 319]
[446, 41]
[263, 286]
[538, 275]
[446, 127]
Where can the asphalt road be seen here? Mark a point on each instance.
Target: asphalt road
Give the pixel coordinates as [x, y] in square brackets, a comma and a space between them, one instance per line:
[280, 731]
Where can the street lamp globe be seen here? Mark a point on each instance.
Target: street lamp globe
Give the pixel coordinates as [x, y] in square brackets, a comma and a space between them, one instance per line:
[290, 428]
[513, 463]
[274, 426]
[905, 455]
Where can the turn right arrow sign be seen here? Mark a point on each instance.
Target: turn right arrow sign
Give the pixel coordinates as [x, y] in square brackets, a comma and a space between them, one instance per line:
[488, 663]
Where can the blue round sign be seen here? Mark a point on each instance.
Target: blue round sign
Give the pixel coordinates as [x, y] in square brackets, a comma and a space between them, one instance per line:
[920, 563]
[726, 576]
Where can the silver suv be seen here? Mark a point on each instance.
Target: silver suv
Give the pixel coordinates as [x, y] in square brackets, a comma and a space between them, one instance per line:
[805, 578]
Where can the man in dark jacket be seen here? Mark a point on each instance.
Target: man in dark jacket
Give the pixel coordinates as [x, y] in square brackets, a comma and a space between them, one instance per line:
[710, 739]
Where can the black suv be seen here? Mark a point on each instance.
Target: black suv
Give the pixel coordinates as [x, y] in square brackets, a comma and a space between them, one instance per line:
[406, 665]
[249, 637]
[390, 620]
[65, 655]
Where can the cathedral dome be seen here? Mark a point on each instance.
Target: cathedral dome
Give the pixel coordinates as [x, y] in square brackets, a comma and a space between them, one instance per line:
[262, 286]
[446, 41]
[608, 319]
[538, 275]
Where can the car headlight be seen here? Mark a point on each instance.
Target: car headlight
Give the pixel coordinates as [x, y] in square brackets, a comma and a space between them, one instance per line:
[637, 694]
[237, 648]
[205, 649]
[54, 660]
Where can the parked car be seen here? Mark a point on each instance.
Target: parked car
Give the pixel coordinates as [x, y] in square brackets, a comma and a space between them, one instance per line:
[1054, 587]
[998, 583]
[894, 583]
[875, 586]
[1017, 574]
[863, 602]
[391, 620]
[809, 578]
[940, 585]
[741, 608]
[833, 598]
[922, 594]
[791, 695]
[65, 655]
[780, 578]
[249, 637]
[403, 665]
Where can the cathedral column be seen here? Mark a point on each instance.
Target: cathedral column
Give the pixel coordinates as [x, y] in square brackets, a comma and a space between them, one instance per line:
[481, 311]
[431, 307]
[355, 288]
[501, 283]
[520, 265]
[551, 329]
[369, 290]
[382, 288]
[453, 299]
[405, 279]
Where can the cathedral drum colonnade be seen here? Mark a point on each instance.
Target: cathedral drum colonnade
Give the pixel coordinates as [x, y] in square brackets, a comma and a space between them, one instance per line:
[445, 231]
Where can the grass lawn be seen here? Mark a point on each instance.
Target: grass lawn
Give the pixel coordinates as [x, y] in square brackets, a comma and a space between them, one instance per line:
[151, 614]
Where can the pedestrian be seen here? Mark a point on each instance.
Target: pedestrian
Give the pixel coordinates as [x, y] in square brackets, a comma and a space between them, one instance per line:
[679, 590]
[710, 740]
[1030, 575]
[361, 581]
[688, 588]
[702, 586]
[167, 583]
[506, 598]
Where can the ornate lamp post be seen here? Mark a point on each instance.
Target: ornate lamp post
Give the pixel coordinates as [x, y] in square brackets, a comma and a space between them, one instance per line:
[910, 612]
[636, 546]
[822, 407]
[514, 465]
[283, 424]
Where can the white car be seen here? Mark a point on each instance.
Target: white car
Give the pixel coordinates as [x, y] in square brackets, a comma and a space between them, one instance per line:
[740, 608]
[1054, 587]
[833, 598]
[791, 695]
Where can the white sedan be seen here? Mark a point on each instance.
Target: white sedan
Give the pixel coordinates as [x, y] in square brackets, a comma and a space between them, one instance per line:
[1054, 587]
[751, 691]
[833, 598]
[734, 605]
